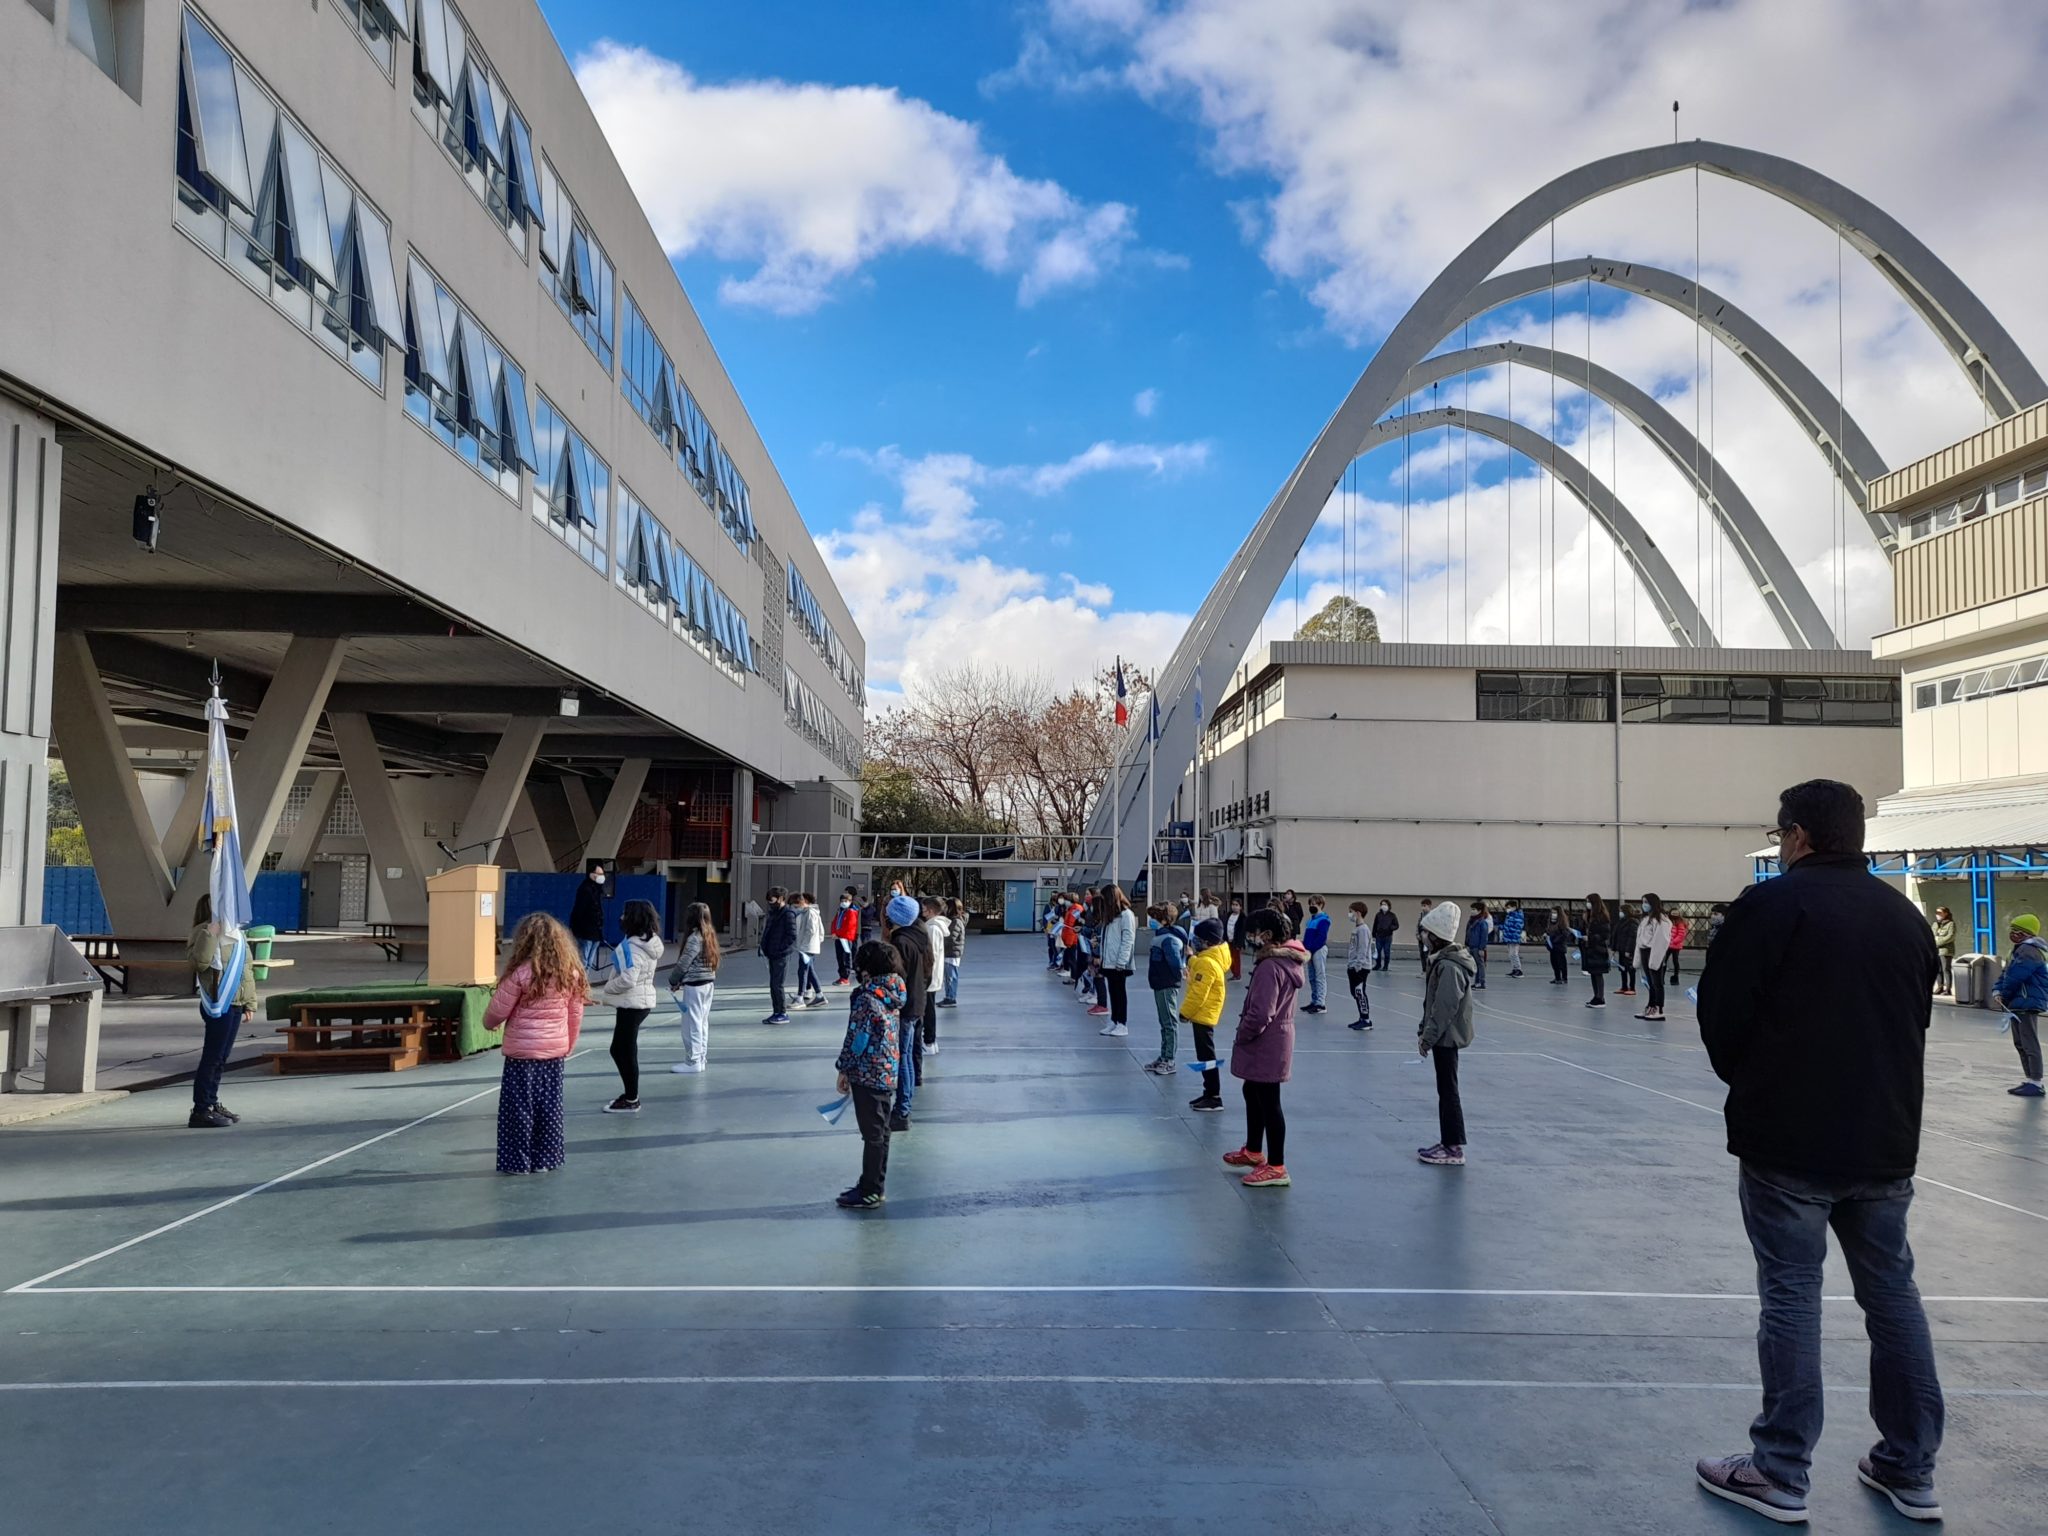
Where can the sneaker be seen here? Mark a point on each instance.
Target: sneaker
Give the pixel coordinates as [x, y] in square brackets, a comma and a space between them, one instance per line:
[1117, 1031]
[819, 1002]
[1206, 1104]
[1598, 1002]
[1243, 1158]
[685, 1068]
[222, 1109]
[623, 1106]
[2023, 1091]
[1362, 1024]
[1267, 1176]
[207, 1119]
[1513, 974]
[947, 1002]
[1097, 1011]
[1652, 1015]
[776, 1018]
[1733, 1478]
[898, 1124]
[1160, 1068]
[1913, 1503]
[854, 1200]
[931, 1048]
[1315, 1008]
[1625, 992]
[1478, 986]
[1441, 1156]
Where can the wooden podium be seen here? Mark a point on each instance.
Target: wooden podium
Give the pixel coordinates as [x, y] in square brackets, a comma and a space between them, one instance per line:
[462, 925]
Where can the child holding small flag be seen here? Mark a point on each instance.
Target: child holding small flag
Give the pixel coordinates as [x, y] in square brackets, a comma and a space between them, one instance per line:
[868, 1064]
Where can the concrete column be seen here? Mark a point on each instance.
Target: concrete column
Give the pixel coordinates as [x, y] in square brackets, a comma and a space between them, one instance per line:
[529, 843]
[304, 839]
[392, 859]
[31, 476]
[135, 882]
[490, 812]
[550, 802]
[181, 837]
[618, 810]
[582, 814]
[742, 871]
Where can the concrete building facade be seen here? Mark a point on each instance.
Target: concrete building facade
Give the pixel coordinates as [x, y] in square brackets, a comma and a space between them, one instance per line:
[1540, 773]
[446, 474]
[1969, 826]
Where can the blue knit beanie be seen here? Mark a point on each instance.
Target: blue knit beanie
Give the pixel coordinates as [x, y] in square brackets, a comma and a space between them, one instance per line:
[902, 911]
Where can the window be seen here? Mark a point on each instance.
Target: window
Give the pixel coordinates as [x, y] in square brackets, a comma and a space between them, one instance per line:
[460, 385]
[1838, 701]
[463, 103]
[810, 618]
[573, 266]
[1694, 700]
[378, 26]
[1265, 701]
[572, 487]
[92, 34]
[255, 191]
[713, 475]
[1982, 683]
[809, 717]
[655, 569]
[1566, 697]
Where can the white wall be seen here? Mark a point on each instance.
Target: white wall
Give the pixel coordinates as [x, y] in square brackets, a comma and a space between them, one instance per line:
[1977, 739]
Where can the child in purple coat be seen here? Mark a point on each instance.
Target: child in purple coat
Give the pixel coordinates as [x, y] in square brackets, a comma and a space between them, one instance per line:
[1263, 1053]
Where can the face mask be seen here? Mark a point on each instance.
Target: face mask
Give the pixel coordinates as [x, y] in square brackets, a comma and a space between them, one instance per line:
[1153, 923]
[597, 875]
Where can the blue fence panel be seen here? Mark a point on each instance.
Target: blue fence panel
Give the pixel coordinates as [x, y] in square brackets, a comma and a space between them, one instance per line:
[279, 898]
[556, 894]
[71, 899]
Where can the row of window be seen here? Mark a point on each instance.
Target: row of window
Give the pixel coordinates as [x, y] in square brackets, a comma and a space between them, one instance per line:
[1982, 683]
[461, 386]
[572, 486]
[810, 618]
[657, 570]
[463, 103]
[1681, 699]
[255, 190]
[1240, 811]
[658, 396]
[2008, 492]
[810, 716]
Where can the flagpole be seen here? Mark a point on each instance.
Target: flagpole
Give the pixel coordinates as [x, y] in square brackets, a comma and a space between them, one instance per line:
[1197, 797]
[1116, 762]
[1151, 807]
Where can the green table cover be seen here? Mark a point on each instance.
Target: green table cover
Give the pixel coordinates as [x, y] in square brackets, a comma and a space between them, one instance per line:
[466, 1004]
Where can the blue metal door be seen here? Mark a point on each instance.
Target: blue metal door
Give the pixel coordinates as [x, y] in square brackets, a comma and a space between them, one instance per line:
[1020, 906]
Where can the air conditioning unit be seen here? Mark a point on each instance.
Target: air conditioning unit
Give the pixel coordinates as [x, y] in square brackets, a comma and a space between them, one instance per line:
[1230, 844]
[1256, 845]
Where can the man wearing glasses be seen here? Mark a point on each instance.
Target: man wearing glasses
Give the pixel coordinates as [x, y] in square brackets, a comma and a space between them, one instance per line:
[1814, 1008]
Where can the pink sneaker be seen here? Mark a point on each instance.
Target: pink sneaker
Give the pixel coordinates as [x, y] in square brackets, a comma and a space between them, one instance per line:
[1097, 1011]
[1244, 1158]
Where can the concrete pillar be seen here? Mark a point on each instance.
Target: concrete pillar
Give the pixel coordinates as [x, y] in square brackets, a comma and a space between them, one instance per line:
[618, 810]
[182, 835]
[490, 812]
[582, 814]
[550, 802]
[303, 841]
[393, 862]
[529, 843]
[31, 476]
[742, 871]
[135, 881]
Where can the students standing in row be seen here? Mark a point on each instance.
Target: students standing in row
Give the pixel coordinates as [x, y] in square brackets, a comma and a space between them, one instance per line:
[778, 943]
[869, 1063]
[1624, 942]
[1557, 939]
[846, 934]
[1262, 1054]
[901, 927]
[1363, 958]
[1513, 927]
[1119, 943]
[810, 943]
[1233, 935]
[2022, 990]
[693, 981]
[1315, 938]
[1445, 1028]
[1593, 945]
[1653, 944]
[1165, 975]
[539, 1005]
[1202, 1006]
[956, 950]
[1384, 926]
[630, 991]
[1478, 932]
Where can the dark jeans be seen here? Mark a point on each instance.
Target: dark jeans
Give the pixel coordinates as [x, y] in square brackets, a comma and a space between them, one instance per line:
[871, 1114]
[778, 982]
[1119, 996]
[1627, 973]
[806, 977]
[931, 1018]
[1450, 1109]
[1358, 978]
[213, 1055]
[1265, 1127]
[2026, 1039]
[1788, 1216]
[626, 1048]
[1559, 953]
[1382, 953]
[908, 1061]
[1654, 975]
[1479, 965]
[1599, 979]
[845, 951]
[1205, 1050]
[1675, 956]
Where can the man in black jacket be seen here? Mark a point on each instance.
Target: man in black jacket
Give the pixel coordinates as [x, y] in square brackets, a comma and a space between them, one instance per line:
[778, 943]
[1814, 1008]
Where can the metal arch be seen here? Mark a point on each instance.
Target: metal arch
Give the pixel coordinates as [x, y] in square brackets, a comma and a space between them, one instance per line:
[1787, 597]
[1681, 613]
[1223, 628]
[1820, 414]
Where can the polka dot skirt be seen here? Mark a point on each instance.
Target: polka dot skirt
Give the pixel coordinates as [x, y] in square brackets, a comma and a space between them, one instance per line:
[530, 1117]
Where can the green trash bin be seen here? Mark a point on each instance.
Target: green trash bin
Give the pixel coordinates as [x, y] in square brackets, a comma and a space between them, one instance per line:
[260, 938]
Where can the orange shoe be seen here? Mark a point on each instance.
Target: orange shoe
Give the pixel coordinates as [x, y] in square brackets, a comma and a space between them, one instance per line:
[1245, 1158]
[1267, 1176]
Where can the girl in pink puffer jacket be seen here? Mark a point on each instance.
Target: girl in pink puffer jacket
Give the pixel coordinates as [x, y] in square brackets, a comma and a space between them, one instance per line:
[539, 1002]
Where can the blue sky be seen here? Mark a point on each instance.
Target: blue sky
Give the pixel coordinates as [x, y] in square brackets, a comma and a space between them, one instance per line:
[1061, 302]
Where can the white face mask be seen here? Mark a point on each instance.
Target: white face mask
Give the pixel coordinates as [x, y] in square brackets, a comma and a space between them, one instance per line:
[597, 875]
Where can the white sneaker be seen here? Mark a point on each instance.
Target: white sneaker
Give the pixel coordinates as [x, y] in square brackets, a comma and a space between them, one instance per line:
[686, 1067]
[932, 1049]
[1117, 1031]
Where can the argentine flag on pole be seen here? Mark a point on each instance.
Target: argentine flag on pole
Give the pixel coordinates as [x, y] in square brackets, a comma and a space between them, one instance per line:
[228, 885]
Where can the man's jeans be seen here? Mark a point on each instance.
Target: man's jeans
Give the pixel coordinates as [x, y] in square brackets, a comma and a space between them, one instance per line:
[778, 982]
[1788, 1216]
[1318, 972]
[952, 968]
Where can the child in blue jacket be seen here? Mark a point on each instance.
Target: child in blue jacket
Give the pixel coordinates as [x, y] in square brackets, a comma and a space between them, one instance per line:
[1315, 938]
[2023, 992]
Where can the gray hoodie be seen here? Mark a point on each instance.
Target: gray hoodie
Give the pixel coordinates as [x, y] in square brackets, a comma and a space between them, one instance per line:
[1447, 999]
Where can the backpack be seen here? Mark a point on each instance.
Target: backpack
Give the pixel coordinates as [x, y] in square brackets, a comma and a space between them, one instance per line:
[1166, 965]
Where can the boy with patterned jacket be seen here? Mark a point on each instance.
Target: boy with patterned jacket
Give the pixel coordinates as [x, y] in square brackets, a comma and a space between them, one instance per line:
[868, 1064]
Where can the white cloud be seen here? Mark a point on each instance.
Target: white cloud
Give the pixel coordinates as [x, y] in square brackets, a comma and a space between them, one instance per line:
[812, 182]
[1145, 402]
[928, 596]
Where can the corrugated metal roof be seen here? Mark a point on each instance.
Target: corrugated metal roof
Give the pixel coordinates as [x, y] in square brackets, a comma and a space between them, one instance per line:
[1978, 457]
[2006, 816]
[1574, 658]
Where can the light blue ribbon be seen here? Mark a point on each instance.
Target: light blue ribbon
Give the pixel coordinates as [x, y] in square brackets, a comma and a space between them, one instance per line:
[230, 982]
[837, 1108]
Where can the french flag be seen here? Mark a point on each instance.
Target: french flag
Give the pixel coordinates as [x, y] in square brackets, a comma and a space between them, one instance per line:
[1123, 711]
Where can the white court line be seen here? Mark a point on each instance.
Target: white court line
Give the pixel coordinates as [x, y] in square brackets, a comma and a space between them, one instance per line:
[1919, 1178]
[524, 1383]
[27, 1287]
[948, 1290]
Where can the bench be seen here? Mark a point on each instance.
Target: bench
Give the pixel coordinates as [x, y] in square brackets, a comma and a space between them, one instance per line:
[392, 938]
[43, 975]
[388, 1035]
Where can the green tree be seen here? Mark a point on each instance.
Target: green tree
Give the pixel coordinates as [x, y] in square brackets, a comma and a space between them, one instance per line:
[67, 847]
[63, 804]
[1342, 620]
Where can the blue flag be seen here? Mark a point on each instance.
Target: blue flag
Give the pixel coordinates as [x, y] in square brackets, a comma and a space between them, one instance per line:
[833, 1111]
[1155, 717]
[1198, 698]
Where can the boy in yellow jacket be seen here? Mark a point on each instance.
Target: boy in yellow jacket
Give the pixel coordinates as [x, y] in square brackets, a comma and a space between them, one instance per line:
[1201, 1006]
